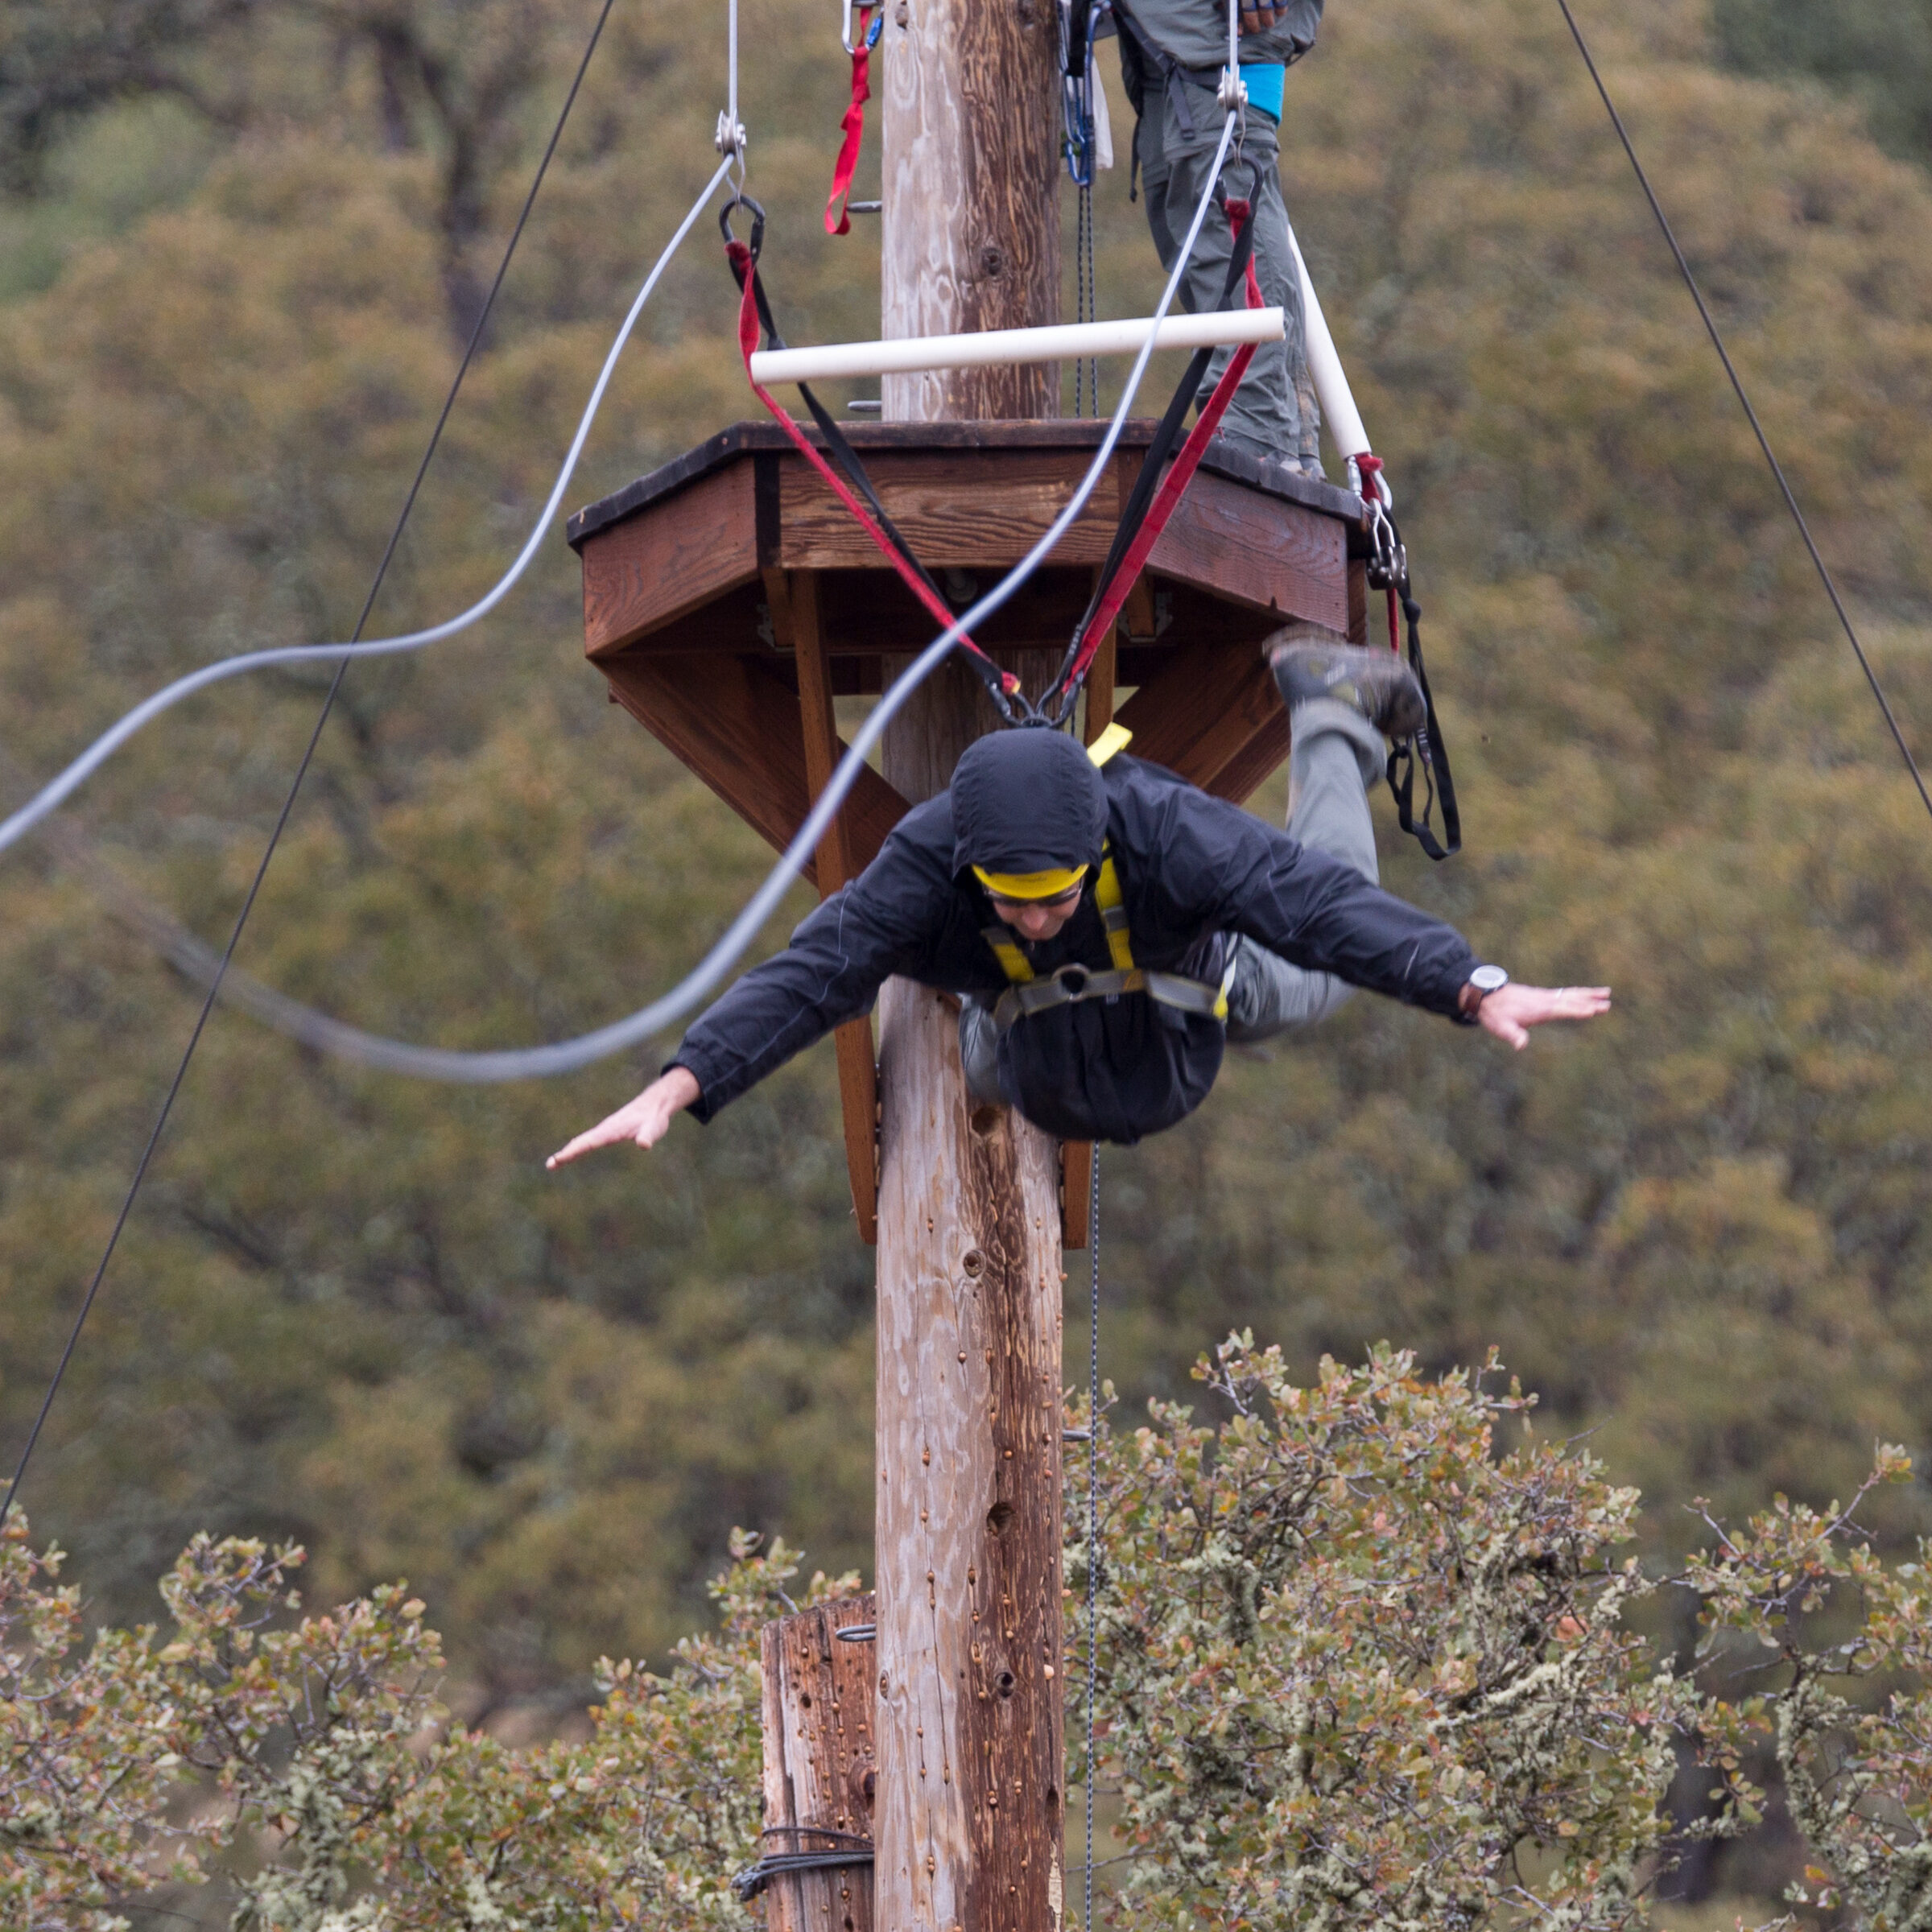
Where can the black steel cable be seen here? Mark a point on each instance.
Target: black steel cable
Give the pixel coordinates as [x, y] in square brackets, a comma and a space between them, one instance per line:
[1086, 371]
[1758, 428]
[288, 804]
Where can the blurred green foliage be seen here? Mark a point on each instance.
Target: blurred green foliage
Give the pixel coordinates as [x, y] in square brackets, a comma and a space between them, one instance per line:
[354, 1311]
[1878, 51]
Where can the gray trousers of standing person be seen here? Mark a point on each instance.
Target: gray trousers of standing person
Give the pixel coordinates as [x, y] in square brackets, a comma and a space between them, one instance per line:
[1337, 755]
[1273, 414]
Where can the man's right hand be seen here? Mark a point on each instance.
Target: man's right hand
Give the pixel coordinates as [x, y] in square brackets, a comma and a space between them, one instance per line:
[1258, 20]
[644, 1120]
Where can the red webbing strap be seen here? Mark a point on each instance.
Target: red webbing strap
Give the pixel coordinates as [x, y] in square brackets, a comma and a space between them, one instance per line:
[744, 268]
[1179, 475]
[837, 220]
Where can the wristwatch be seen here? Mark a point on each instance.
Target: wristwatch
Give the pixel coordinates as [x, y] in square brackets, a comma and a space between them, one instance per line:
[1484, 980]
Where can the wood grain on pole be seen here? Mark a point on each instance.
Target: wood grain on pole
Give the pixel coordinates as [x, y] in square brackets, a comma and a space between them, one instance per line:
[819, 1772]
[968, 1720]
[969, 1715]
[971, 237]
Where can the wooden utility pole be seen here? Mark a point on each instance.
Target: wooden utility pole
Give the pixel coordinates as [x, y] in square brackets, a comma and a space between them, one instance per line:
[969, 1810]
[727, 597]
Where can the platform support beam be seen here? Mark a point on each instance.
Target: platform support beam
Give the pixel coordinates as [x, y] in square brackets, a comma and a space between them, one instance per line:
[836, 864]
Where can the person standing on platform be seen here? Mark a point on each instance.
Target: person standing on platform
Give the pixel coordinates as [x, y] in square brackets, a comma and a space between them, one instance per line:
[1172, 55]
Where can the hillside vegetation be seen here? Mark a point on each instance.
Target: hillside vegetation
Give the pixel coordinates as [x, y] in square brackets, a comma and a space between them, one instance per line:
[354, 1311]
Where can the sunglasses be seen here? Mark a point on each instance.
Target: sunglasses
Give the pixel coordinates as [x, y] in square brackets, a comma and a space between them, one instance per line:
[1067, 899]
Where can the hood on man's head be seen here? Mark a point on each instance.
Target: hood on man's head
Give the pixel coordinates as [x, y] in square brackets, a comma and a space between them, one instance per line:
[1027, 801]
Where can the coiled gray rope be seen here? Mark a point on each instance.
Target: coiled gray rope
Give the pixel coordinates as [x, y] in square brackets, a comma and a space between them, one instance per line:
[568, 1056]
[104, 747]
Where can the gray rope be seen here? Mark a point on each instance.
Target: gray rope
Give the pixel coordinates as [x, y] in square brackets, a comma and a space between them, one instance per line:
[104, 747]
[568, 1056]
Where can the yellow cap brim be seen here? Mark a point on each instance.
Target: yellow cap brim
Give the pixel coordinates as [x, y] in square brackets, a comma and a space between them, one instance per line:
[1030, 885]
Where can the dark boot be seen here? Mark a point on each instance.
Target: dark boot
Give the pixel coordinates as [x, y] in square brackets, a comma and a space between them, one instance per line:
[1377, 682]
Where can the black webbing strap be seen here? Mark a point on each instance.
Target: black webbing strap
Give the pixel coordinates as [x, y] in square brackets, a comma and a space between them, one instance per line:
[1060, 695]
[847, 458]
[1426, 749]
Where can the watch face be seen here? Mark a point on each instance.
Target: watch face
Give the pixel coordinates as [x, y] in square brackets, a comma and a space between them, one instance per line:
[1487, 979]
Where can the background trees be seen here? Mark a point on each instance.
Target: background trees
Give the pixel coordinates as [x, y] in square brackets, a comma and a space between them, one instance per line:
[354, 1313]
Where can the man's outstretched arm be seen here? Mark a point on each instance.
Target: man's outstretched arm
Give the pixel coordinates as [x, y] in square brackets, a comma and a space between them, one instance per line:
[1311, 908]
[643, 1121]
[831, 972]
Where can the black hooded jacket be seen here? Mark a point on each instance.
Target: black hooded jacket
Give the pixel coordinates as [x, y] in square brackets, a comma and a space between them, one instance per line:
[1191, 867]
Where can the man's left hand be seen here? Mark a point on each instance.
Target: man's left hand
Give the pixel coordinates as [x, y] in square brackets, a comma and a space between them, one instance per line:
[1258, 20]
[1512, 1010]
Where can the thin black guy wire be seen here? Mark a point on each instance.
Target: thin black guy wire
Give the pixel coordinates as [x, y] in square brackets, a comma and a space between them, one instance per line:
[1080, 298]
[1091, 303]
[288, 804]
[1093, 1501]
[1758, 429]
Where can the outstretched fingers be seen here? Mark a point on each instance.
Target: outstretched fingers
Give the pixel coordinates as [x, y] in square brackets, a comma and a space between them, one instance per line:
[640, 1119]
[622, 1125]
[645, 1120]
[1579, 1002]
[1512, 1010]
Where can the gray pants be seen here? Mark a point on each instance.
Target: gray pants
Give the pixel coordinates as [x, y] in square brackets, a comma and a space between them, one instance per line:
[1273, 411]
[1337, 755]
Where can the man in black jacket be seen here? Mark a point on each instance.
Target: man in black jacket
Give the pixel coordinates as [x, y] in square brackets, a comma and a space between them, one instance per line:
[1107, 926]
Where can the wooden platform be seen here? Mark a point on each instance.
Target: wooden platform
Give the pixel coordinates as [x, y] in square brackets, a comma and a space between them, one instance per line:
[729, 597]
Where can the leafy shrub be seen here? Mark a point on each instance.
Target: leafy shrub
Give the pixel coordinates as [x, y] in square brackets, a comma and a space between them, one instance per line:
[1363, 1661]
[1842, 1645]
[320, 1743]
[1357, 1669]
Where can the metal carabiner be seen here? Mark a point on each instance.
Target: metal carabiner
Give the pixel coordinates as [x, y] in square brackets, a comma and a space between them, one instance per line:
[757, 243]
[1388, 561]
[871, 30]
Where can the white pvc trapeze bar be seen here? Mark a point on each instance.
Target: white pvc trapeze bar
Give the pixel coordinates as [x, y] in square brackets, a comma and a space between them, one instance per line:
[1071, 340]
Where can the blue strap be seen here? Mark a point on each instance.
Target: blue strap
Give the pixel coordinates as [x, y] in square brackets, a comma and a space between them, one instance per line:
[1266, 86]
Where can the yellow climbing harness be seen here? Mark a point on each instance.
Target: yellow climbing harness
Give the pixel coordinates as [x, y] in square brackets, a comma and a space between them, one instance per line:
[1027, 993]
